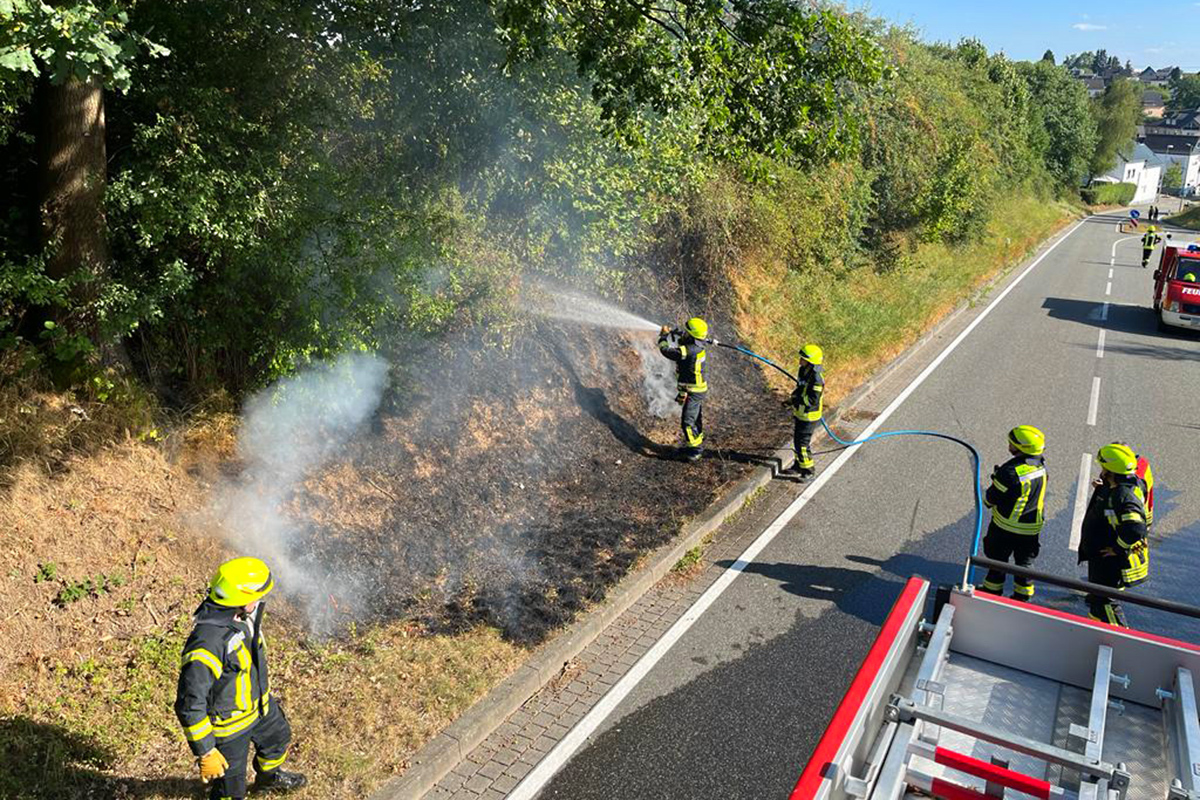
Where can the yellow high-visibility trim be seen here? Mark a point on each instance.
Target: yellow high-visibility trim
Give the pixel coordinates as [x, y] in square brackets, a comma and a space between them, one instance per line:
[243, 678]
[999, 485]
[991, 585]
[194, 733]
[265, 764]
[206, 658]
[1132, 517]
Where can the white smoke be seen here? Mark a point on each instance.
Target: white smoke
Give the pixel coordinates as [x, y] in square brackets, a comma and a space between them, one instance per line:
[288, 430]
[659, 385]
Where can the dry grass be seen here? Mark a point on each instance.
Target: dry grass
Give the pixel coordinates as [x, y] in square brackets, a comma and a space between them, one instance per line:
[100, 577]
[865, 318]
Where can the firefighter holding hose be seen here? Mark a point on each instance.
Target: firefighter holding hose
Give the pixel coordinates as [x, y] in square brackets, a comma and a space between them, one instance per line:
[223, 701]
[687, 349]
[807, 404]
[1017, 498]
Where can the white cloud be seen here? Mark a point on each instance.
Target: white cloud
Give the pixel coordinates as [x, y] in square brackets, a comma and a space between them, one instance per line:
[1088, 26]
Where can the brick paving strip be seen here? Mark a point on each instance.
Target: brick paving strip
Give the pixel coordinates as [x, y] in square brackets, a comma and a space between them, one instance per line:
[495, 743]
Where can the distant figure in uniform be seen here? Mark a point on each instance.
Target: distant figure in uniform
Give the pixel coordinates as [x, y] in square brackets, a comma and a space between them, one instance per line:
[1113, 540]
[686, 349]
[1149, 240]
[1017, 498]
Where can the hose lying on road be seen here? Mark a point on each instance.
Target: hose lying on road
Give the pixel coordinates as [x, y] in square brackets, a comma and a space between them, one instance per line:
[888, 434]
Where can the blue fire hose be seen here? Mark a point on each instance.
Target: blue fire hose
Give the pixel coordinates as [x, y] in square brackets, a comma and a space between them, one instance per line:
[975, 542]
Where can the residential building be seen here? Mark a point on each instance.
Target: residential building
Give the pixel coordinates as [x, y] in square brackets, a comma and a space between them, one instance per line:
[1095, 86]
[1143, 169]
[1177, 139]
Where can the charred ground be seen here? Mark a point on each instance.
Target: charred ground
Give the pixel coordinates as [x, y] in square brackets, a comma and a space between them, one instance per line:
[513, 486]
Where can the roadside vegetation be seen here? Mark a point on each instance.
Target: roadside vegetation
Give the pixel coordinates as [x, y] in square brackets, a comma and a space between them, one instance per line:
[274, 184]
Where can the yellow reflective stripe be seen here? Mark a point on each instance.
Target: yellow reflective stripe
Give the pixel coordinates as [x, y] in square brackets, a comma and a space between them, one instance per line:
[270, 763]
[225, 730]
[194, 733]
[682, 351]
[999, 485]
[1132, 517]
[206, 658]
[243, 678]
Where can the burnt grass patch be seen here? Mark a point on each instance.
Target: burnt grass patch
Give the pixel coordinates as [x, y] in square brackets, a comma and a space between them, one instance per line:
[513, 487]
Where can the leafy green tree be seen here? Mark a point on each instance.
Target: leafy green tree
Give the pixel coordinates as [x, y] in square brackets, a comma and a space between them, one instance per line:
[767, 77]
[1048, 56]
[72, 50]
[1185, 92]
[1173, 176]
[1117, 113]
[1067, 138]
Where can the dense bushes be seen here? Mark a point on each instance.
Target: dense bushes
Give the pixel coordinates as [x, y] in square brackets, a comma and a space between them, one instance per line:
[302, 179]
[1109, 194]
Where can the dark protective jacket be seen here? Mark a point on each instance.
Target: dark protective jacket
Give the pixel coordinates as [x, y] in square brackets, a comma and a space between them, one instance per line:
[223, 687]
[688, 355]
[1149, 240]
[808, 398]
[1017, 495]
[1116, 520]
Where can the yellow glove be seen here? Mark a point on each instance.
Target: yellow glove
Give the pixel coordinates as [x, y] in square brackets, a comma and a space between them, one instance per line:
[212, 765]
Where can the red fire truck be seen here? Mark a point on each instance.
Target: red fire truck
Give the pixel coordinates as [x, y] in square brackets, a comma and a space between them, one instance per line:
[991, 699]
[1177, 287]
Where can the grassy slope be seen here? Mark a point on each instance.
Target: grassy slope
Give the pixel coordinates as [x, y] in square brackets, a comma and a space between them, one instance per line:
[865, 319]
[1189, 219]
[85, 698]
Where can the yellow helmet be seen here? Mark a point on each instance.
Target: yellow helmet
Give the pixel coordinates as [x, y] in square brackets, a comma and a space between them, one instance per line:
[813, 354]
[1028, 439]
[1117, 459]
[240, 582]
[1191, 276]
[697, 327]
[1152, 229]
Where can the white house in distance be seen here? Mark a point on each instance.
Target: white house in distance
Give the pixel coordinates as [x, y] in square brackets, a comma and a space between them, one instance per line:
[1177, 139]
[1143, 169]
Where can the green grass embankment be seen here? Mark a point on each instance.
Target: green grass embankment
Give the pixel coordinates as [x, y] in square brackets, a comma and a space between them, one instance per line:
[864, 317]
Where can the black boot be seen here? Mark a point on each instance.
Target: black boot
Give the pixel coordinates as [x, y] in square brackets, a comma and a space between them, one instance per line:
[694, 454]
[806, 474]
[278, 781]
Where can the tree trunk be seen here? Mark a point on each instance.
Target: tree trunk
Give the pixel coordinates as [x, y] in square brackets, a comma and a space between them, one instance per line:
[72, 171]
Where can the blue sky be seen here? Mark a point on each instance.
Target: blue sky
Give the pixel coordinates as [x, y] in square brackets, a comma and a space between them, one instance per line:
[1157, 34]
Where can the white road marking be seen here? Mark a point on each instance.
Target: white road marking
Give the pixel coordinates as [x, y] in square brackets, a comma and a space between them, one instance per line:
[1094, 403]
[1104, 311]
[1110, 272]
[575, 738]
[1108, 288]
[1113, 257]
[1085, 480]
[1100, 344]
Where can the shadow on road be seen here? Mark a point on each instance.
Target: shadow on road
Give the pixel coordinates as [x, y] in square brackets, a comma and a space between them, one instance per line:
[1127, 319]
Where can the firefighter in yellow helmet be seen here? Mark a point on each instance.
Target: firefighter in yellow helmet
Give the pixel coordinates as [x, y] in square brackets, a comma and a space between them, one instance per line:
[1017, 498]
[1149, 240]
[687, 349]
[1113, 537]
[223, 700]
[807, 404]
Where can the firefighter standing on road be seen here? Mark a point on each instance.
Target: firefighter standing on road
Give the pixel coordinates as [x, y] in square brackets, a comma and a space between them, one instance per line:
[686, 349]
[1113, 537]
[223, 701]
[807, 403]
[1017, 498]
[1149, 240]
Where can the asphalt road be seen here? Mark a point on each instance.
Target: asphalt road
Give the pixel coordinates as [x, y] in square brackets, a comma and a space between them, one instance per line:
[734, 708]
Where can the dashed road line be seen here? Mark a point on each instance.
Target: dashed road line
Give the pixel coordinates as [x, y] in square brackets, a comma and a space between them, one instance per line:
[1100, 344]
[1094, 403]
[1110, 273]
[1081, 489]
[1108, 289]
[1104, 311]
